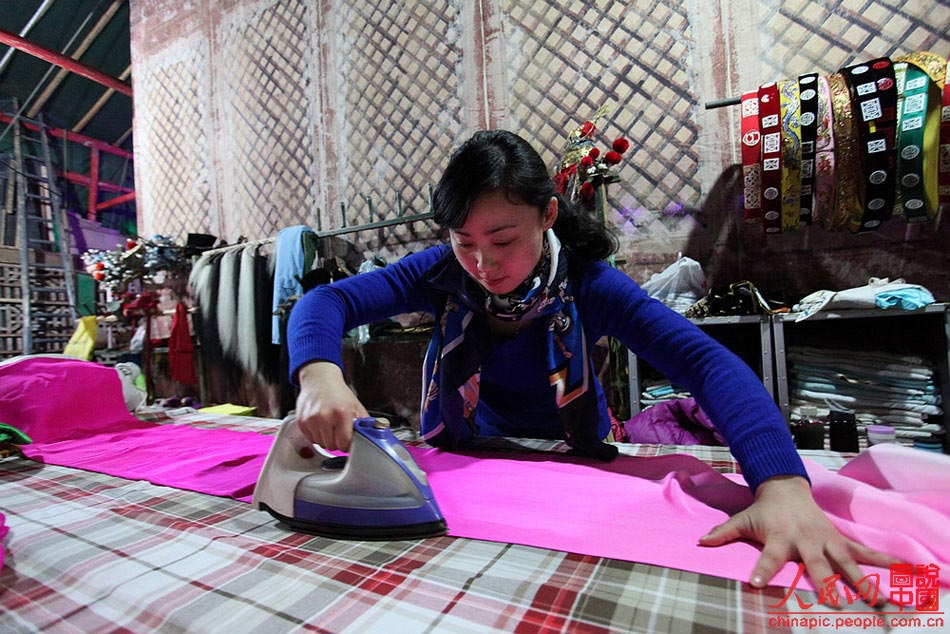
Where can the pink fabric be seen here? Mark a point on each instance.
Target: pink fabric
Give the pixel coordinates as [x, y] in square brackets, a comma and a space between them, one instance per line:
[650, 510]
[679, 421]
[661, 506]
[57, 398]
[215, 461]
[549, 501]
[890, 498]
[75, 414]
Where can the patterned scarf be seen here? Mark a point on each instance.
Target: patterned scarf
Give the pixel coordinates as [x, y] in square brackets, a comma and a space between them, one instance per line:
[452, 369]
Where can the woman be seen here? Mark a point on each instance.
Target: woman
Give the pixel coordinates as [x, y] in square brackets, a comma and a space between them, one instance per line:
[520, 293]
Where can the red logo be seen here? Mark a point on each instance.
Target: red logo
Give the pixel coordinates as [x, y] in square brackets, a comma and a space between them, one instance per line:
[917, 586]
[751, 138]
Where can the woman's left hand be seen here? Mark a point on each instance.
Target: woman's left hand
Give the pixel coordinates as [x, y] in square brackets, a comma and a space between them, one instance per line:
[785, 519]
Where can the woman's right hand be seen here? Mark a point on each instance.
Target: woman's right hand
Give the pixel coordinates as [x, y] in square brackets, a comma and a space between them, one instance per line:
[326, 406]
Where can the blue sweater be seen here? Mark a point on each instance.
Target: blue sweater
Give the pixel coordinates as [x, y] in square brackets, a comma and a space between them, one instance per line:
[515, 397]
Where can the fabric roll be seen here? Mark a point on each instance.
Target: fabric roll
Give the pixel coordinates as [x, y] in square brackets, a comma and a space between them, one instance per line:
[935, 66]
[771, 131]
[849, 190]
[943, 176]
[808, 94]
[789, 107]
[825, 181]
[900, 76]
[918, 143]
[873, 92]
[751, 164]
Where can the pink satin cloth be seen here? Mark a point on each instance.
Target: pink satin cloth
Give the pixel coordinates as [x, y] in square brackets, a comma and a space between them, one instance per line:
[75, 414]
[648, 510]
[59, 398]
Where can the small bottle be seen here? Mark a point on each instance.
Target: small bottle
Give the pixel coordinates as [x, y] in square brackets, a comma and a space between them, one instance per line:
[880, 434]
[809, 432]
[843, 431]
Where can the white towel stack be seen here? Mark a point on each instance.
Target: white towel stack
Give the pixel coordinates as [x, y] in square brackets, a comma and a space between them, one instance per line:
[881, 388]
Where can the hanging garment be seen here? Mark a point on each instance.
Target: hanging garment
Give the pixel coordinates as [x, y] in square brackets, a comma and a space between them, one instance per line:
[292, 264]
[246, 335]
[227, 303]
[181, 359]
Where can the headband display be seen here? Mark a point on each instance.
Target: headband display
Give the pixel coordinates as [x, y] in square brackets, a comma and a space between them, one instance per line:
[850, 149]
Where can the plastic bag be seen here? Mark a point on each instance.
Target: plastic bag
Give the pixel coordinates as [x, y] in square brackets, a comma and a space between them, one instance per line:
[362, 331]
[137, 342]
[83, 341]
[679, 286]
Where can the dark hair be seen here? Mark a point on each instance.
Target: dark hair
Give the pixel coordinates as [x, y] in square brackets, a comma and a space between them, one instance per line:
[500, 160]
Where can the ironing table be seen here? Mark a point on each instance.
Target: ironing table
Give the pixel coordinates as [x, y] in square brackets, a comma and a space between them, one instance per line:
[93, 553]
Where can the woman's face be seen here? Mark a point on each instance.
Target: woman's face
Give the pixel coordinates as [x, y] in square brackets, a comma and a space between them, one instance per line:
[500, 242]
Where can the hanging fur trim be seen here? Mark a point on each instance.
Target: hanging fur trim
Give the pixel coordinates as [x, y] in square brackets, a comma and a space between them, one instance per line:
[227, 303]
[246, 343]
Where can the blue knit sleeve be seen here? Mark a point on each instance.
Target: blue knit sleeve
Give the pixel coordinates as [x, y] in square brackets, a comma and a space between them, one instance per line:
[322, 316]
[724, 386]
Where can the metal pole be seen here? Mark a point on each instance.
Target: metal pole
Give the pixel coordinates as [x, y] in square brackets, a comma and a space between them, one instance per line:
[25, 31]
[93, 183]
[23, 238]
[87, 41]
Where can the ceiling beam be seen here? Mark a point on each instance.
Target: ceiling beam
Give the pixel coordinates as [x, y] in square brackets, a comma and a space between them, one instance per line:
[68, 63]
[72, 137]
[76, 54]
[118, 200]
[85, 181]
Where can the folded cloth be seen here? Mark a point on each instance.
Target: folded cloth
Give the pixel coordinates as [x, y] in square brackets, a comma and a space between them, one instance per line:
[53, 398]
[292, 264]
[892, 498]
[675, 422]
[877, 293]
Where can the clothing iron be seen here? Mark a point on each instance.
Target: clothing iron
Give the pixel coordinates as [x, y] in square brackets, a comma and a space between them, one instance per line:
[377, 492]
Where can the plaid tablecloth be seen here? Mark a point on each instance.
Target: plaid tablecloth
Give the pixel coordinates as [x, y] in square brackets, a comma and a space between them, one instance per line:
[93, 553]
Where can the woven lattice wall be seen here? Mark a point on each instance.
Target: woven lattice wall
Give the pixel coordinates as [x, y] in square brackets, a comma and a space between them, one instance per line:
[801, 36]
[172, 145]
[264, 114]
[566, 61]
[399, 74]
[265, 77]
